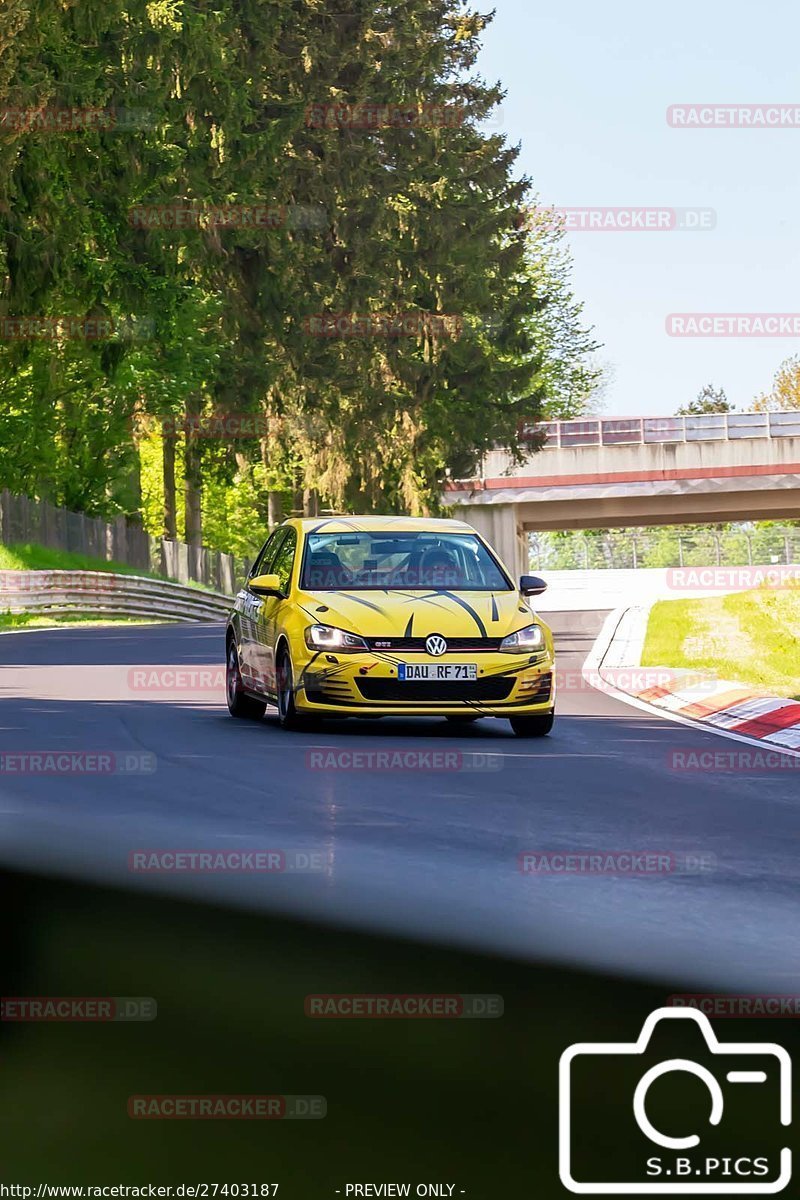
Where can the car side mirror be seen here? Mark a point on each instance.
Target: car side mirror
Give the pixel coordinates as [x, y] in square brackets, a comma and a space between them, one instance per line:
[532, 585]
[265, 585]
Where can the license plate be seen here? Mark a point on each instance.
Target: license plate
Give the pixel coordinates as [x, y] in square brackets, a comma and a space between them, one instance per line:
[436, 671]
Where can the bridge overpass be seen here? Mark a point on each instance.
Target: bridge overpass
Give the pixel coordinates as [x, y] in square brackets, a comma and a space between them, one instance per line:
[631, 471]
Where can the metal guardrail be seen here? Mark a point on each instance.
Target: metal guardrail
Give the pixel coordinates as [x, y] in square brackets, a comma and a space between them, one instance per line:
[637, 431]
[100, 593]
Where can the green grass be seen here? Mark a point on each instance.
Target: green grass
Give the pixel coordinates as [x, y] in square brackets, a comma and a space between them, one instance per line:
[9, 620]
[30, 556]
[751, 637]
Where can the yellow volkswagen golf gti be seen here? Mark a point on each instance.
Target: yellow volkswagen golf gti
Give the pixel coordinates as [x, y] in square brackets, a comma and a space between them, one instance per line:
[388, 616]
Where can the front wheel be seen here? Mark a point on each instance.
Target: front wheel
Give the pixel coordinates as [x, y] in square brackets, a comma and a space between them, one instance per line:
[533, 726]
[288, 716]
[239, 704]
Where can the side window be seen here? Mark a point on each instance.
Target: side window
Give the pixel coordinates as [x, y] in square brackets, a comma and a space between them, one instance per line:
[267, 554]
[284, 560]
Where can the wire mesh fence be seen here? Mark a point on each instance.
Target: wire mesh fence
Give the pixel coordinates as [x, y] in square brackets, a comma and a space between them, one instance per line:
[666, 547]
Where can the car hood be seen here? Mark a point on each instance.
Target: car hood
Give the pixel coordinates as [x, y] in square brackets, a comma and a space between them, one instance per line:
[420, 613]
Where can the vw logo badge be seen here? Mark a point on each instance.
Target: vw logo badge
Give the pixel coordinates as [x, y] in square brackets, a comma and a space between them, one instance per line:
[436, 645]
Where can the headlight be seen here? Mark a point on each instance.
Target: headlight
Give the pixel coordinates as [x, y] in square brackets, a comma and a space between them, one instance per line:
[524, 640]
[325, 637]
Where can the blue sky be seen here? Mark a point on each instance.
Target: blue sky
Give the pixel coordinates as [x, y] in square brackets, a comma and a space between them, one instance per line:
[588, 88]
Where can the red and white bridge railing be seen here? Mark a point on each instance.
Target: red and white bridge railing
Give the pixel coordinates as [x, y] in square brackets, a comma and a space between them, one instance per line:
[631, 431]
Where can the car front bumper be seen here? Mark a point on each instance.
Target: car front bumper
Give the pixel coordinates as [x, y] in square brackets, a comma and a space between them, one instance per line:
[362, 684]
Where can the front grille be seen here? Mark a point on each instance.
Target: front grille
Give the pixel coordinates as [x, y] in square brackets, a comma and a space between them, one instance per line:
[435, 691]
[476, 645]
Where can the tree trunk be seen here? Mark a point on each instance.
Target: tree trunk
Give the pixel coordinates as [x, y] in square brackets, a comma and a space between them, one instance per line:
[193, 477]
[310, 502]
[168, 472]
[275, 509]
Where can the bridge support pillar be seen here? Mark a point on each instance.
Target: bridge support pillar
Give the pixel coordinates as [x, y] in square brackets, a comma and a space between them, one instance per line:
[498, 523]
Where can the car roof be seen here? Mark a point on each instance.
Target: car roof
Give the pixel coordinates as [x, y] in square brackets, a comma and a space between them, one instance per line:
[357, 524]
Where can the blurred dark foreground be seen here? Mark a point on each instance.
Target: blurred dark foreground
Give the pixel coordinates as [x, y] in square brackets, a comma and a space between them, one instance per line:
[467, 1102]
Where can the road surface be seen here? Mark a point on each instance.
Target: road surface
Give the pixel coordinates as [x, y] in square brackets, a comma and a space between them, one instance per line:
[429, 852]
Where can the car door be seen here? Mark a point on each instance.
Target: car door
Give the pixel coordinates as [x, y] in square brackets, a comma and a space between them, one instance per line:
[250, 606]
[267, 620]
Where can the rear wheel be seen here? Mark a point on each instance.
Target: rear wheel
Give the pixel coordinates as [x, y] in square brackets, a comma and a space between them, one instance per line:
[288, 716]
[533, 726]
[239, 704]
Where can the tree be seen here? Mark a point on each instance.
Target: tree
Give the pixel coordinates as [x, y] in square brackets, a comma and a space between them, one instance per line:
[709, 400]
[785, 393]
[418, 216]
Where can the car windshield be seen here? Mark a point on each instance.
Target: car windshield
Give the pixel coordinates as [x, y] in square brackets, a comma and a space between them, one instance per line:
[365, 561]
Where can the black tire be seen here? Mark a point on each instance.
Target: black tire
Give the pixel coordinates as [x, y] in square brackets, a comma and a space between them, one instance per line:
[288, 716]
[465, 720]
[239, 703]
[530, 727]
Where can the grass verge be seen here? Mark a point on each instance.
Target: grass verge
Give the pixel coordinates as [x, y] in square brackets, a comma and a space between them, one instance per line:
[30, 556]
[751, 637]
[9, 620]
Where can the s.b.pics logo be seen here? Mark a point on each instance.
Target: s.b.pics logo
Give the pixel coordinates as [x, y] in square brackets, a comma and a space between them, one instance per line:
[675, 1111]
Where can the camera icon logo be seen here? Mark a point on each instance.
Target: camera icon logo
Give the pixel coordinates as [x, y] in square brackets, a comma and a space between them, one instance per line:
[690, 1133]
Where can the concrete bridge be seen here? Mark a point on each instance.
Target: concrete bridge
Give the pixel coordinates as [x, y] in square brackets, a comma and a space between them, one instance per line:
[629, 471]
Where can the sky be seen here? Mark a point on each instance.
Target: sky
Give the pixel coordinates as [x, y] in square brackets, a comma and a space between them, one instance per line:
[588, 87]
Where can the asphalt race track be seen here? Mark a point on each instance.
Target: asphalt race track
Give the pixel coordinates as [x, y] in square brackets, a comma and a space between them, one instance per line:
[428, 852]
